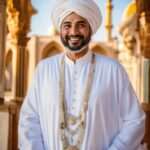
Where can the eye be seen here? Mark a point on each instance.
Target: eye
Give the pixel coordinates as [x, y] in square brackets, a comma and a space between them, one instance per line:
[81, 25]
[66, 26]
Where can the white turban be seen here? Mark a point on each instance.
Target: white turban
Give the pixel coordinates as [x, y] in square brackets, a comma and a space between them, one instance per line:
[85, 8]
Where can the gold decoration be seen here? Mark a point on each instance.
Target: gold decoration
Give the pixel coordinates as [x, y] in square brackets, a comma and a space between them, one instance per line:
[67, 120]
[72, 121]
[18, 21]
[72, 148]
[12, 22]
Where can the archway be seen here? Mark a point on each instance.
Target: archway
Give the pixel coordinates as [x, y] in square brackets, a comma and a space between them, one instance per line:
[51, 49]
[99, 50]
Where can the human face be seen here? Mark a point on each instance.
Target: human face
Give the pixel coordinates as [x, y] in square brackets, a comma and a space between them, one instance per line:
[75, 32]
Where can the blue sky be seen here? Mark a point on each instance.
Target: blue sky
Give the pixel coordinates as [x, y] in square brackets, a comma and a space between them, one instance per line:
[41, 22]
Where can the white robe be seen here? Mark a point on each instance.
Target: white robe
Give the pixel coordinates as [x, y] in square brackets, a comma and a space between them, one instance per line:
[115, 120]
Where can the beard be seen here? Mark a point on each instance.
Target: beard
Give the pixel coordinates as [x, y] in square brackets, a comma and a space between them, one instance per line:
[75, 47]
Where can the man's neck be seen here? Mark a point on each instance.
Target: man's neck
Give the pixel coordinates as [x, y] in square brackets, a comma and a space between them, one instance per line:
[74, 56]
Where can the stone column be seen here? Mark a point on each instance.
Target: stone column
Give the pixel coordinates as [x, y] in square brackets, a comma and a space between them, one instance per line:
[143, 8]
[144, 34]
[146, 80]
[19, 13]
[2, 47]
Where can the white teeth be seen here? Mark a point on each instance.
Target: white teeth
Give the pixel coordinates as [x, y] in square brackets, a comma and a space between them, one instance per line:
[74, 39]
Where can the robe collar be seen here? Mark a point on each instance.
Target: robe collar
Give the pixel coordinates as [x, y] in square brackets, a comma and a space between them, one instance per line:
[85, 59]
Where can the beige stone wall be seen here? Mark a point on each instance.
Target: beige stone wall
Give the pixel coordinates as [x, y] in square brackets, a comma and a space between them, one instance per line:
[2, 46]
[4, 126]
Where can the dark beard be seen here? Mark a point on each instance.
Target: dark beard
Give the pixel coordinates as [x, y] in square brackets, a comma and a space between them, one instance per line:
[75, 48]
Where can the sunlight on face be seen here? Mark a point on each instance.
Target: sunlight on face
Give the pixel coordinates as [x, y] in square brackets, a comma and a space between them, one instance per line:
[75, 32]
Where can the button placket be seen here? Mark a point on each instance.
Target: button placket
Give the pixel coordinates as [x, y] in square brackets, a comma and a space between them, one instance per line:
[74, 102]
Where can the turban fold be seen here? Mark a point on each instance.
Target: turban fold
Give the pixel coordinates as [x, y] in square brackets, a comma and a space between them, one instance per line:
[88, 9]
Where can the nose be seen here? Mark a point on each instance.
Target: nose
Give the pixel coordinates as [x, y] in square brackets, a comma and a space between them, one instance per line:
[74, 30]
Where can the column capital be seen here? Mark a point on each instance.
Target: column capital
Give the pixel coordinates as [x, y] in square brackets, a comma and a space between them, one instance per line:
[19, 14]
[144, 34]
[144, 26]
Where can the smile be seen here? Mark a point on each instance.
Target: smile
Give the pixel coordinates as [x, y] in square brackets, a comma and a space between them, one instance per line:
[74, 39]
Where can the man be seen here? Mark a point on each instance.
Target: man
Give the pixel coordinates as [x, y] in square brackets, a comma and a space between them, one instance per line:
[79, 100]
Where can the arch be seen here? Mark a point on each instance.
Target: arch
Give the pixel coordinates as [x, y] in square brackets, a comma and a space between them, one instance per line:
[100, 50]
[104, 50]
[8, 71]
[51, 49]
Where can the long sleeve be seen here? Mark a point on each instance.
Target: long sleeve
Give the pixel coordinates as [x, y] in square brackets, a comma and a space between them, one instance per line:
[30, 137]
[133, 118]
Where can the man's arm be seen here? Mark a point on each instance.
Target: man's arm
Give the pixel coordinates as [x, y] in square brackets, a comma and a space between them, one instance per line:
[133, 121]
[30, 136]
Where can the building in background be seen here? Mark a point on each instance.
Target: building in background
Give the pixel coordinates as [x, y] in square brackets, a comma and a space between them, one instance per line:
[40, 47]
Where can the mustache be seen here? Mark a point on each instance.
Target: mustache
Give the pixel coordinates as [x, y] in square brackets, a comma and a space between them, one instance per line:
[74, 36]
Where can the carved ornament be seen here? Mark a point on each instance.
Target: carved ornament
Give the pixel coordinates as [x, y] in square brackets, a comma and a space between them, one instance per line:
[18, 20]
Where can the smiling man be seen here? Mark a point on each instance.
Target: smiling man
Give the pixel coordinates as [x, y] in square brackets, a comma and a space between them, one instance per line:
[80, 100]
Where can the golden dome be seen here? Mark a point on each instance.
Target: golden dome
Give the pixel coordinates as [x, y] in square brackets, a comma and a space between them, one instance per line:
[129, 10]
[53, 31]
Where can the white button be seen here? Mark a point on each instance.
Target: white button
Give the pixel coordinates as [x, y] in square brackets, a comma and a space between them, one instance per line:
[74, 92]
[75, 85]
[75, 79]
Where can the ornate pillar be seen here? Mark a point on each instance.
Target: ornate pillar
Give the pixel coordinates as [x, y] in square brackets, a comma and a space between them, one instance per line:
[144, 34]
[108, 25]
[2, 47]
[19, 13]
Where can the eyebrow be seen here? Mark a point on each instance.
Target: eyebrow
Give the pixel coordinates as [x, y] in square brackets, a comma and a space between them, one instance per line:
[81, 21]
[66, 22]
